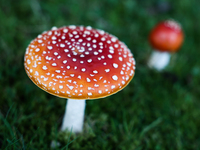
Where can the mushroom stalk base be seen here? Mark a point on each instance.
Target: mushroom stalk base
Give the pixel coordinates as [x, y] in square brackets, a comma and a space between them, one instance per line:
[74, 116]
[159, 60]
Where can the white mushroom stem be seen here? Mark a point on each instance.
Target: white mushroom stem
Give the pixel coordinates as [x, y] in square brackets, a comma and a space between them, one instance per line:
[74, 116]
[159, 60]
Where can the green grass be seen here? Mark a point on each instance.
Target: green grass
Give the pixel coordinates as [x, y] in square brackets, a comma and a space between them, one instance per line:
[156, 111]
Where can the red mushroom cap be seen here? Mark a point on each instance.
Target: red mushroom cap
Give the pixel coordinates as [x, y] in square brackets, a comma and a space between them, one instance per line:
[79, 62]
[166, 36]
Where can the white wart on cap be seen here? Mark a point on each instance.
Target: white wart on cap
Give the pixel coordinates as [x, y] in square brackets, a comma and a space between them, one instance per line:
[79, 62]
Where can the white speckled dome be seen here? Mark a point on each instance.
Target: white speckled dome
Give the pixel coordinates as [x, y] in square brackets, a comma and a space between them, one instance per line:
[79, 62]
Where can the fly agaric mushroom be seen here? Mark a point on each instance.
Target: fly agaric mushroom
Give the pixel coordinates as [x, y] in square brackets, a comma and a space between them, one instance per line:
[166, 37]
[78, 63]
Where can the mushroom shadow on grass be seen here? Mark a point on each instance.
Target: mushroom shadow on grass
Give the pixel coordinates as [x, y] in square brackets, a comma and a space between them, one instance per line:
[78, 63]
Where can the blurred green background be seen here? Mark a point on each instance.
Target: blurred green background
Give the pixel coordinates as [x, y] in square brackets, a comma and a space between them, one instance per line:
[157, 110]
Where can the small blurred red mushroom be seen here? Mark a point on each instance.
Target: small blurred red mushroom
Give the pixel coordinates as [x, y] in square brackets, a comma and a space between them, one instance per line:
[166, 37]
[78, 63]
